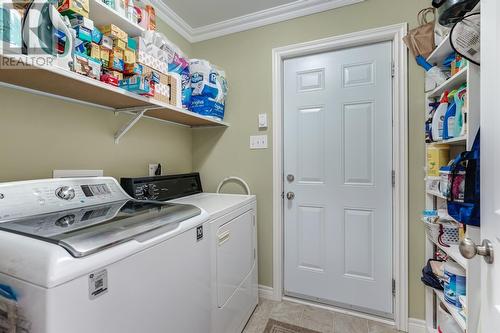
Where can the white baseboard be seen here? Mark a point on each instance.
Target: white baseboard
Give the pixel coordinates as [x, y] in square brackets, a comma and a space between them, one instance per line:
[416, 326]
[266, 292]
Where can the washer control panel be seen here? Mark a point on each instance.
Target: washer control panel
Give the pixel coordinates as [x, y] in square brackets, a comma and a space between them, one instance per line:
[26, 198]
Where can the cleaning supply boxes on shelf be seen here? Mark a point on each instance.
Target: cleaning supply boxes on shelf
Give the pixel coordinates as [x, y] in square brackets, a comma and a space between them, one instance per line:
[74, 7]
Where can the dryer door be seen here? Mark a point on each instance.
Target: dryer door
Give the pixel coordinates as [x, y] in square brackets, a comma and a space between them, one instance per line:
[235, 255]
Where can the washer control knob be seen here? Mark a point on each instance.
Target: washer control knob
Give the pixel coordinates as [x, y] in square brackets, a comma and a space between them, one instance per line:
[65, 193]
[65, 221]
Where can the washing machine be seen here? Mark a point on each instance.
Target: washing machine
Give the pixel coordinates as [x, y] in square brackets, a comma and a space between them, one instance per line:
[233, 244]
[80, 255]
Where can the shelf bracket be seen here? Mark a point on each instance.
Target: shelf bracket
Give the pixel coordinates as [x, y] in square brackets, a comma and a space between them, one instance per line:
[129, 125]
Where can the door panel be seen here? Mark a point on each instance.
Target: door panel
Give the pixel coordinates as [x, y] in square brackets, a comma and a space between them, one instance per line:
[338, 147]
[311, 238]
[357, 148]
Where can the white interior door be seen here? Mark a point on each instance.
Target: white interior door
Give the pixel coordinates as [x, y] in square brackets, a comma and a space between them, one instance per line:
[338, 183]
[490, 165]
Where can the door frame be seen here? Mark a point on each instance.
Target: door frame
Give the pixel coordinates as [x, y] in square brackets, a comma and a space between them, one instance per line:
[395, 34]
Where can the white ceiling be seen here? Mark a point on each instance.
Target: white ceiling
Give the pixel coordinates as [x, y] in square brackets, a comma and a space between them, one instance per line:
[198, 20]
[198, 13]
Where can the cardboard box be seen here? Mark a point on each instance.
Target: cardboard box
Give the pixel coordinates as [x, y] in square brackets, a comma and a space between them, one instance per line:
[114, 32]
[104, 56]
[150, 55]
[96, 36]
[82, 21]
[83, 34]
[137, 83]
[129, 56]
[174, 84]
[119, 44]
[132, 44]
[87, 66]
[74, 7]
[116, 60]
[107, 42]
[161, 83]
[116, 74]
[95, 51]
[110, 79]
[133, 69]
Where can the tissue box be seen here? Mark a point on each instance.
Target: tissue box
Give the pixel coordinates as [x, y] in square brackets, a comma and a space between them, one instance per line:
[150, 55]
[129, 56]
[116, 74]
[114, 32]
[132, 44]
[133, 69]
[74, 7]
[116, 60]
[110, 79]
[119, 44]
[161, 83]
[137, 83]
[95, 51]
[86, 65]
[96, 36]
[82, 21]
[104, 56]
[83, 34]
[107, 42]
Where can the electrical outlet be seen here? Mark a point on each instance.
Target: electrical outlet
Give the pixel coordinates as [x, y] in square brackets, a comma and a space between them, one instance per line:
[152, 169]
[258, 142]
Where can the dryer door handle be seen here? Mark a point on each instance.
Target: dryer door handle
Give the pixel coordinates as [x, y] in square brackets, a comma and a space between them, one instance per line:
[224, 237]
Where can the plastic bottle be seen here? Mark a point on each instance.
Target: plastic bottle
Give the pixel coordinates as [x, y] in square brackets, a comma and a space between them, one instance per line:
[460, 97]
[434, 72]
[449, 117]
[438, 119]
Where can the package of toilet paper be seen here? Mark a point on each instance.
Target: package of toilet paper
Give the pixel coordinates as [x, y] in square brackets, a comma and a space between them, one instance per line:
[209, 89]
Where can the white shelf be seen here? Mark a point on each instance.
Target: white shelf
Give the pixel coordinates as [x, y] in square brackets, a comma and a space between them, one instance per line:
[453, 82]
[436, 194]
[68, 85]
[102, 14]
[453, 252]
[453, 310]
[440, 52]
[458, 141]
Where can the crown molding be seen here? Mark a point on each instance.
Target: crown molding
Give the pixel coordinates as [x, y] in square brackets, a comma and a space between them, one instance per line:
[246, 22]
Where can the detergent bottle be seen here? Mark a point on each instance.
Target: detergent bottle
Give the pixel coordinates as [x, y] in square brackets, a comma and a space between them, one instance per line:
[460, 98]
[438, 118]
[449, 117]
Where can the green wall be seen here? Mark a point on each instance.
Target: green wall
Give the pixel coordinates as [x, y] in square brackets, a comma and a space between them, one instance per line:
[246, 58]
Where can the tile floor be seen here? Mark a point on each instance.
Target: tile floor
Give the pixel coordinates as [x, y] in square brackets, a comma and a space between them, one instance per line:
[312, 318]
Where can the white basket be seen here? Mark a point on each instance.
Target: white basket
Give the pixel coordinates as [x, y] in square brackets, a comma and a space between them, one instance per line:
[450, 232]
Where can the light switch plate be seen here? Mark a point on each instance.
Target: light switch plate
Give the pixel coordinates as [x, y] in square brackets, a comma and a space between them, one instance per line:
[258, 142]
[263, 120]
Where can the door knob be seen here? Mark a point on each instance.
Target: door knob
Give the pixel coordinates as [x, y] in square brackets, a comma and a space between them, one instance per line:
[469, 249]
[290, 178]
[290, 195]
